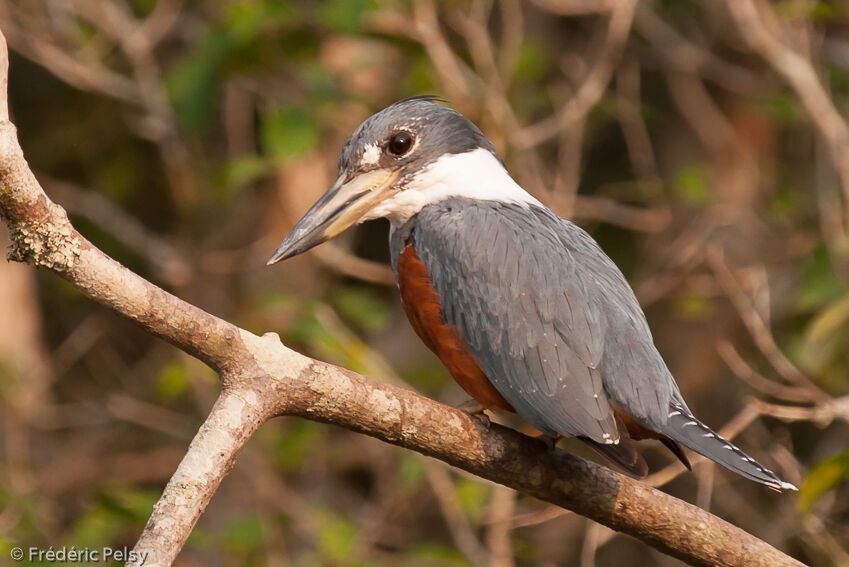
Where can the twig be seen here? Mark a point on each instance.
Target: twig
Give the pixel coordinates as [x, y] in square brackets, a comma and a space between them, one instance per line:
[501, 507]
[705, 473]
[169, 263]
[685, 56]
[211, 455]
[137, 40]
[757, 328]
[816, 529]
[708, 123]
[822, 414]
[537, 517]
[756, 380]
[630, 114]
[757, 27]
[577, 7]
[513, 31]
[450, 67]
[591, 544]
[641, 219]
[593, 86]
[336, 258]
[81, 73]
[458, 525]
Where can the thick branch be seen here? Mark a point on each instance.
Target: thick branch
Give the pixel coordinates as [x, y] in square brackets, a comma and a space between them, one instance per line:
[262, 378]
[282, 382]
[43, 236]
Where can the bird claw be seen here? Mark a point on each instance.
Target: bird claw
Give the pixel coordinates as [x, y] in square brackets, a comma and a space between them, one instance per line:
[483, 418]
[477, 411]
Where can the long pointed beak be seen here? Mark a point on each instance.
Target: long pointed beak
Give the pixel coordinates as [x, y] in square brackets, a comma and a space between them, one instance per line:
[344, 204]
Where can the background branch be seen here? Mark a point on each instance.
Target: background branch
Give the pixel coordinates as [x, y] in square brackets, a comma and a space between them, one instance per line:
[759, 29]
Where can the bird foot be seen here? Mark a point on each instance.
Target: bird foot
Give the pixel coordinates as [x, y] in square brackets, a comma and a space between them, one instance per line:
[476, 410]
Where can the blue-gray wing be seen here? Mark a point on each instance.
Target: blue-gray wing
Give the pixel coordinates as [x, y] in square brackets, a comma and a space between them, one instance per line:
[549, 317]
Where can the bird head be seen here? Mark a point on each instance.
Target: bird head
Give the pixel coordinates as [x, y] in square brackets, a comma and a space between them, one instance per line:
[395, 162]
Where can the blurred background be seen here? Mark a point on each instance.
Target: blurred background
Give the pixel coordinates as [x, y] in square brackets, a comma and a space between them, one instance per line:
[703, 144]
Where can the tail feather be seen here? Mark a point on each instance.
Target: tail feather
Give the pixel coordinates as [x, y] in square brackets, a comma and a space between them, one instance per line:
[677, 451]
[684, 428]
[623, 454]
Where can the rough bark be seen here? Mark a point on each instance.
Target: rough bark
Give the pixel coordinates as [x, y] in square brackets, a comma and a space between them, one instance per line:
[261, 378]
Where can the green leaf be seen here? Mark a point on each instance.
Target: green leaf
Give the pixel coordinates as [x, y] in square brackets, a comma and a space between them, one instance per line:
[820, 284]
[337, 538]
[318, 339]
[819, 358]
[782, 107]
[691, 185]
[288, 132]
[363, 308]
[173, 381]
[427, 375]
[786, 202]
[131, 502]
[532, 62]
[695, 307]
[822, 478]
[472, 495]
[244, 170]
[345, 15]
[118, 176]
[247, 19]
[436, 552]
[419, 77]
[322, 85]
[244, 534]
[97, 527]
[144, 6]
[193, 83]
[804, 10]
[828, 321]
[295, 443]
[411, 471]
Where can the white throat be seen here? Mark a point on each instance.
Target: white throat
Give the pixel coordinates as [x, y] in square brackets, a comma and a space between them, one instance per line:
[474, 175]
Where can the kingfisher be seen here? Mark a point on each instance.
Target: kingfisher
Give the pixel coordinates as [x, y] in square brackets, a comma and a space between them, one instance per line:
[525, 310]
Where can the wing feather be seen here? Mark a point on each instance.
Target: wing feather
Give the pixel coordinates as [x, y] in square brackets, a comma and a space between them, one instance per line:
[548, 316]
[520, 301]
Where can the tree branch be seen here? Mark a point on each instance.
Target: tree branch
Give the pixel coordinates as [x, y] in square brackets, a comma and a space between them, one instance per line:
[261, 378]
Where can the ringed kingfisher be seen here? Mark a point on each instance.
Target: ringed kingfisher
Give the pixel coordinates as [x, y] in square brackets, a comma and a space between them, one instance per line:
[523, 307]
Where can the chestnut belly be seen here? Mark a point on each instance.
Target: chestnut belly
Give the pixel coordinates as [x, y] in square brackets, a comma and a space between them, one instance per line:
[422, 304]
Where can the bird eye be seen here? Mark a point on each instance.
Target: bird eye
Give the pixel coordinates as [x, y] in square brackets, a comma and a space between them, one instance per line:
[400, 143]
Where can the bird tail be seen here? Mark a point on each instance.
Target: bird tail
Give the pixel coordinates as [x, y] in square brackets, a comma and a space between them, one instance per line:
[623, 454]
[684, 428]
